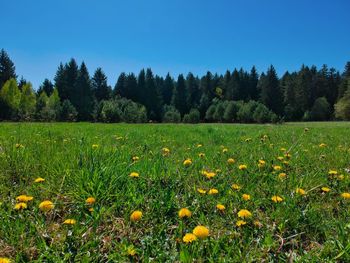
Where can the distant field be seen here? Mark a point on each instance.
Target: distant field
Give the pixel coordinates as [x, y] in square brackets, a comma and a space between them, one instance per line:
[295, 195]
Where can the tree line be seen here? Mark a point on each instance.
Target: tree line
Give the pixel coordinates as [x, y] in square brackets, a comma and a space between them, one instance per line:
[309, 94]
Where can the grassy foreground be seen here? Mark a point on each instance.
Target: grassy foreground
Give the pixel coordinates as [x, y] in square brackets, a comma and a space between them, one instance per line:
[295, 196]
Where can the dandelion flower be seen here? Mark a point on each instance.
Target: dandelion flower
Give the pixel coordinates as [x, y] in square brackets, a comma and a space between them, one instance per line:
[242, 167]
[257, 223]
[165, 151]
[46, 206]
[5, 260]
[134, 174]
[135, 158]
[322, 145]
[332, 172]
[131, 251]
[261, 163]
[90, 200]
[24, 198]
[231, 161]
[282, 176]
[201, 155]
[246, 197]
[20, 206]
[69, 222]
[220, 207]
[213, 191]
[277, 167]
[201, 231]
[236, 187]
[240, 223]
[300, 191]
[95, 146]
[244, 213]
[225, 150]
[201, 191]
[276, 199]
[187, 162]
[136, 216]
[345, 195]
[39, 180]
[184, 212]
[189, 238]
[325, 189]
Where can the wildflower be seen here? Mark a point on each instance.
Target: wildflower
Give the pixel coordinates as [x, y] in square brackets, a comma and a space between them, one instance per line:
[288, 155]
[332, 172]
[345, 195]
[231, 161]
[282, 176]
[340, 177]
[242, 167]
[201, 191]
[165, 151]
[189, 238]
[24, 198]
[95, 146]
[199, 145]
[213, 191]
[276, 199]
[240, 223]
[135, 158]
[248, 139]
[201, 155]
[5, 260]
[46, 206]
[184, 212]
[257, 223]
[236, 187]
[283, 149]
[136, 216]
[306, 129]
[209, 175]
[201, 231]
[131, 251]
[187, 162]
[39, 180]
[322, 145]
[18, 145]
[244, 213]
[246, 197]
[91, 209]
[325, 189]
[300, 191]
[220, 207]
[134, 174]
[69, 222]
[277, 167]
[280, 158]
[225, 150]
[261, 163]
[90, 200]
[20, 206]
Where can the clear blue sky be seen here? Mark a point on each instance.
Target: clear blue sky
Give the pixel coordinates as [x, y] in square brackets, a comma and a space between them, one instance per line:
[176, 36]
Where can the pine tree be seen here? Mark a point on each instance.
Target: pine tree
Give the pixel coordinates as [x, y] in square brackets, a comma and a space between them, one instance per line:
[7, 68]
[46, 86]
[180, 95]
[168, 88]
[253, 83]
[271, 94]
[120, 86]
[100, 87]
[82, 98]
[141, 88]
[193, 92]
[21, 83]
[153, 98]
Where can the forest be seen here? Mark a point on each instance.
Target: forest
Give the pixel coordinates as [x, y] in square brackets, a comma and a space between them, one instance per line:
[237, 96]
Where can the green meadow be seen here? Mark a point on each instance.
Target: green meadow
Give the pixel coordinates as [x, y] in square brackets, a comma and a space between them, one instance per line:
[292, 179]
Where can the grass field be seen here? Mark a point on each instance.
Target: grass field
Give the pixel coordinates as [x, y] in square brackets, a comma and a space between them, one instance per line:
[298, 209]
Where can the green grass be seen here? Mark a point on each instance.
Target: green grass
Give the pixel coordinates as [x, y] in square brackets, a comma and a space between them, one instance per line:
[314, 227]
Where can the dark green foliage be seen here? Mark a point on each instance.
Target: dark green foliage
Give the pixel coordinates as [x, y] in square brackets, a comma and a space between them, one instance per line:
[179, 99]
[171, 114]
[168, 88]
[7, 68]
[68, 111]
[47, 86]
[192, 117]
[99, 85]
[232, 108]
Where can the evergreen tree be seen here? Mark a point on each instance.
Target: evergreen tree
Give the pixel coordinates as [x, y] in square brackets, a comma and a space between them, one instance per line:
[193, 92]
[21, 83]
[252, 84]
[141, 88]
[168, 88]
[120, 86]
[10, 97]
[130, 85]
[7, 68]
[61, 82]
[47, 86]
[345, 81]
[180, 95]
[271, 94]
[153, 99]
[100, 88]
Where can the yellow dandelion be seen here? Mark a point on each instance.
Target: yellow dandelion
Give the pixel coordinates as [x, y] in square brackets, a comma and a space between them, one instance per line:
[345, 195]
[134, 174]
[332, 172]
[300, 191]
[246, 197]
[280, 158]
[277, 167]
[220, 207]
[18, 145]
[69, 222]
[5, 260]
[20, 206]
[325, 189]
[283, 149]
[236, 187]
[242, 167]
[189, 238]
[261, 163]
[240, 223]
[136, 216]
[131, 251]
[187, 162]
[213, 191]
[135, 158]
[201, 191]
[199, 145]
[201, 155]
[322, 145]
[201, 231]
[276, 199]
[165, 151]
[91, 209]
[231, 161]
[288, 155]
[95, 146]
[225, 150]
[184, 212]
[257, 223]
[39, 180]
[24, 198]
[46, 206]
[282, 176]
[244, 213]
[90, 200]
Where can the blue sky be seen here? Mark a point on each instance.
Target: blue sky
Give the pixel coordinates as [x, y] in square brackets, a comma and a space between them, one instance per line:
[176, 36]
